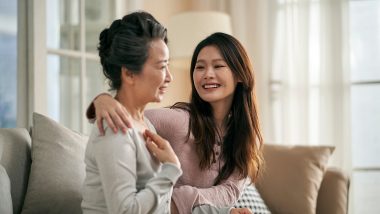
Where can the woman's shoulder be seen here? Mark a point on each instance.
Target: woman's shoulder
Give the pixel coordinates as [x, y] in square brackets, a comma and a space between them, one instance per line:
[110, 134]
[168, 120]
[166, 113]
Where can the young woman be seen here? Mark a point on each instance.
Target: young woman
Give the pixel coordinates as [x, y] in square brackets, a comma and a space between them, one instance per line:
[216, 135]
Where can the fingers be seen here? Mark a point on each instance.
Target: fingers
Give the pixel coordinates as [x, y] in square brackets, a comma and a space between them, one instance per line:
[151, 142]
[118, 122]
[113, 112]
[157, 140]
[241, 211]
[110, 123]
[152, 147]
[121, 117]
[99, 123]
[124, 114]
[245, 211]
[160, 148]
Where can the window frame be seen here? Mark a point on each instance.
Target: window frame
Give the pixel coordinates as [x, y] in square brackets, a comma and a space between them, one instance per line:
[33, 53]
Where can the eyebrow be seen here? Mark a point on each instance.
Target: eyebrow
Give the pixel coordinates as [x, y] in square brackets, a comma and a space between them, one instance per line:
[214, 60]
[162, 61]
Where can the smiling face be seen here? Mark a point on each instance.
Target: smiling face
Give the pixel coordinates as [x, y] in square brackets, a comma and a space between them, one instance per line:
[151, 83]
[213, 78]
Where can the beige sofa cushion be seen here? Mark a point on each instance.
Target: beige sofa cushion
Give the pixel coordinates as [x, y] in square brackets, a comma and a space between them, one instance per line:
[333, 194]
[57, 170]
[292, 177]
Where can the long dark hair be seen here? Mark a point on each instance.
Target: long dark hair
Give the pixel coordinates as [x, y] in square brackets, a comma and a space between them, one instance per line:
[241, 146]
[126, 43]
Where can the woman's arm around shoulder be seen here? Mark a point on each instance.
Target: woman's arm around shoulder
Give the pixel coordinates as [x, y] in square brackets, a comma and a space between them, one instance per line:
[223, 195]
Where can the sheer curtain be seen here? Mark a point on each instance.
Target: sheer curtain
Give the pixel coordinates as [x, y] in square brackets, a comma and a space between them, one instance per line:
[299, 51]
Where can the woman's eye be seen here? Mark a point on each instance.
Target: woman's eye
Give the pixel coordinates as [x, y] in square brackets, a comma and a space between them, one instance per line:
[199, 67]
[220, 66]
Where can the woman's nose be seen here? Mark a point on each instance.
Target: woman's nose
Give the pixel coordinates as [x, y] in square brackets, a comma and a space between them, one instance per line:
[209, 73]
[169, 76]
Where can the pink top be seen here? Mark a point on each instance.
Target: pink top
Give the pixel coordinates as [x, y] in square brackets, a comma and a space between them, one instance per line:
[195, 186]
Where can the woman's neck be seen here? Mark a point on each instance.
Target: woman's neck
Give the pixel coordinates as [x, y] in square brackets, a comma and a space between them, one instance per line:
[220, 112]
[131, 103]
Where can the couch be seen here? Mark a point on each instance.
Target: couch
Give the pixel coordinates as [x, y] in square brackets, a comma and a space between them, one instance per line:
[295, 179]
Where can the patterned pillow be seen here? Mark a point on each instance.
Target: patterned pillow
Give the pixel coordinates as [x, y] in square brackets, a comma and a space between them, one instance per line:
[251, 199]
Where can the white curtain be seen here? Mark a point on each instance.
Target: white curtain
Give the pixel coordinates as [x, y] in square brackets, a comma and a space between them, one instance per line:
[299, 52]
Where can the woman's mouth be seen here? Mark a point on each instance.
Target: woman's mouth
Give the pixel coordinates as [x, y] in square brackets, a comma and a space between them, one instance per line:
[163, 89]
[213, 85]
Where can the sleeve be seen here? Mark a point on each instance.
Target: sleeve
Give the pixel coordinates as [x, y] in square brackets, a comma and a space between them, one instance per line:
[163, 119]
[90, 112]
[223, 195]
[210, 210]
[115, 156]
[169, 123]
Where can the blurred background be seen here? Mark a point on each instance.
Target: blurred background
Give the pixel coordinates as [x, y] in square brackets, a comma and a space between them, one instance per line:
[317, 67]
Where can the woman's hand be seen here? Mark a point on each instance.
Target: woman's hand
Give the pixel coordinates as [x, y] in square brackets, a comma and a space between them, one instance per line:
[241, 211]
[160, 148]
[117, 117]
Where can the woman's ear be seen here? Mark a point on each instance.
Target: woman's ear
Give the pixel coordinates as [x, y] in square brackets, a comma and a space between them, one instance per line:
[126, 75]
[238, 80]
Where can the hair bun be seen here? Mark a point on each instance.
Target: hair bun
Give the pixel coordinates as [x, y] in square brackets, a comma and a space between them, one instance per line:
[105, 39]
[104, 45]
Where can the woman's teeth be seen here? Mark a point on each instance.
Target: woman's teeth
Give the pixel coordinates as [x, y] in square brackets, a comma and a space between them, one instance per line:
[211, 86]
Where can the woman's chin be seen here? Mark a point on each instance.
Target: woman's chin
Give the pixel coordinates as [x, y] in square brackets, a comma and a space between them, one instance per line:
[158, 99]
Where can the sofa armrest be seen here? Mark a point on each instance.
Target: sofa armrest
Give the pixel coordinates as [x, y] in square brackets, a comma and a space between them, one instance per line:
[15, 146]
[333, 193]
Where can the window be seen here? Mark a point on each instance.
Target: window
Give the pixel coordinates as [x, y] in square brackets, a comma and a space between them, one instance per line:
[8, 63]
[325, 86]
[365, 104]
[295, 85]
[74, 74]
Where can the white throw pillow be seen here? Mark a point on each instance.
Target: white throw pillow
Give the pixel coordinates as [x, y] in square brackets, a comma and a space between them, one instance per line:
[57, 170]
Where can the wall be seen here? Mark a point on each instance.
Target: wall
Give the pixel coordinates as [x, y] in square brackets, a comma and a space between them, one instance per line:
[179, 89]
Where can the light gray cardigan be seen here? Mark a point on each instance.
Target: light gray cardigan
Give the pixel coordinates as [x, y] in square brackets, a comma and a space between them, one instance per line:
[122, 176]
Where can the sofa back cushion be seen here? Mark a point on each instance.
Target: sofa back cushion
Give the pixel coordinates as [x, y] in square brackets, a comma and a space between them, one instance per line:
[334, 191]
[57, 170]
[15, 158]
[292, 177]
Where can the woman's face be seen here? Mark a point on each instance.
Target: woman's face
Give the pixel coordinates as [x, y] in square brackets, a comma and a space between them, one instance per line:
[213, 78]
[155, 77]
